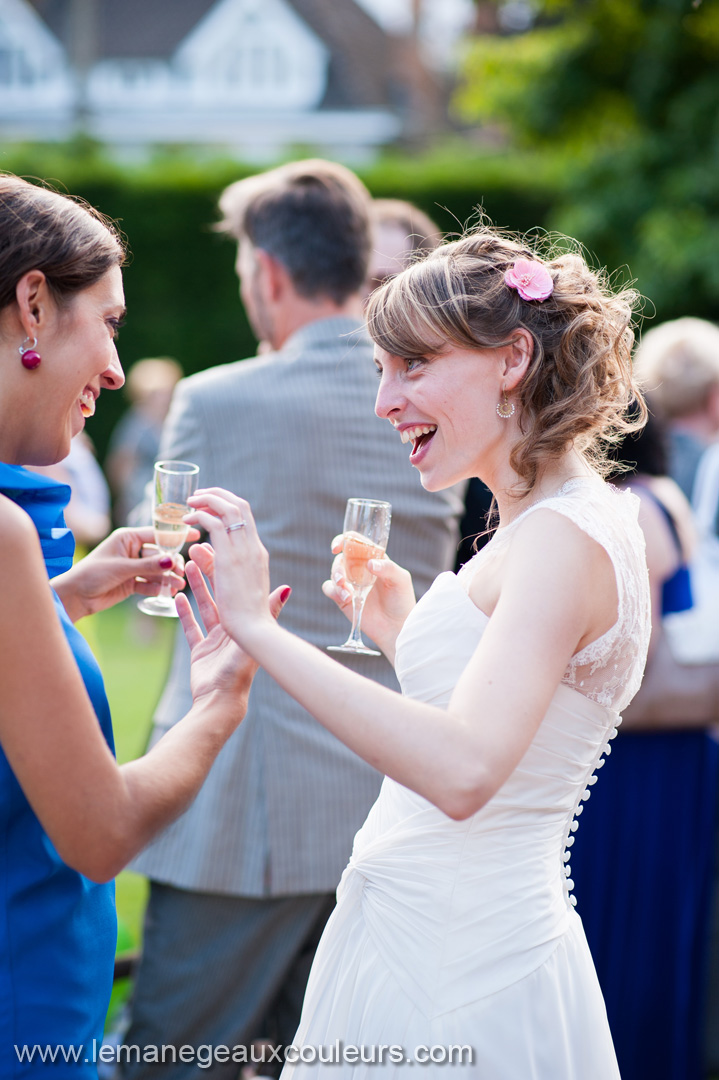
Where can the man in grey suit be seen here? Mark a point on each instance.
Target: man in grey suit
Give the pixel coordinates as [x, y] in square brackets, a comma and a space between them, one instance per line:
[242, 885]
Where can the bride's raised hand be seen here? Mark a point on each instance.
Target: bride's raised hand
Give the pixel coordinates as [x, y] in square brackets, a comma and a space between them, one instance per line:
[218, 664]
[388, 603]
[241, 563]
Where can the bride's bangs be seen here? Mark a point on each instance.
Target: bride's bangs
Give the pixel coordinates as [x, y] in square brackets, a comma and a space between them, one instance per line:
[411, 315]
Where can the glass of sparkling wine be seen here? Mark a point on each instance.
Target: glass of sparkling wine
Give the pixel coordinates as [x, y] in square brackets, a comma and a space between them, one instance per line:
[366, 531]
[175, 481]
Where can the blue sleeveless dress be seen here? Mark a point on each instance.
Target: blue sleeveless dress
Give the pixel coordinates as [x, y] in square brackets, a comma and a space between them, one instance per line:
[642, 864]
[58, 929]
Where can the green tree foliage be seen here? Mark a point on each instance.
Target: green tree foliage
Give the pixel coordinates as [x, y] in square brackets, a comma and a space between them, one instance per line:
[625, 94]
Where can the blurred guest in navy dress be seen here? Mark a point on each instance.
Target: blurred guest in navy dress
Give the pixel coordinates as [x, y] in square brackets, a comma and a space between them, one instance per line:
[678, 363]
[642, 861]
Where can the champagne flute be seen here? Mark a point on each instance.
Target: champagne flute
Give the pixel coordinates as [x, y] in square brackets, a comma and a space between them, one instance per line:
[366, 531]
[175, 481]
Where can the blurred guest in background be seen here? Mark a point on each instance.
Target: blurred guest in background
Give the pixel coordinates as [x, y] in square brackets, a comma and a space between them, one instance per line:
[643, 855]
[88, 513]
[136, 439]
[401, 232]
[678, 362]
[240, 892]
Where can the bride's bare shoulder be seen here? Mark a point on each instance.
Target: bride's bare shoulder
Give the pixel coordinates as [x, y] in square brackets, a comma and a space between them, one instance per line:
[551, 541]
[541, 551]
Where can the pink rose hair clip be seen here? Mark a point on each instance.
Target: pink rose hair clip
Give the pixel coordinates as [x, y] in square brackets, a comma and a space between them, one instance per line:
[531, 279]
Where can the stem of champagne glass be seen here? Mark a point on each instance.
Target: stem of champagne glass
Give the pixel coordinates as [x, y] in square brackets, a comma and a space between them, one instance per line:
[165, 592]
[358, 598]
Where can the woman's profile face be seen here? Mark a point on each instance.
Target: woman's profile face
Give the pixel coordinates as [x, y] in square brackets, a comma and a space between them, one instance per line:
[444, 407]
[79, 359]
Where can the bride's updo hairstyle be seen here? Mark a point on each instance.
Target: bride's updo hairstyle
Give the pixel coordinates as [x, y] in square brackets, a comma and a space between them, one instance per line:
[65, 238]
[579, 383]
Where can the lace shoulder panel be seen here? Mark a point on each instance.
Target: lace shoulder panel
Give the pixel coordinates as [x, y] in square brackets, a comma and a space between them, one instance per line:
[609, 669]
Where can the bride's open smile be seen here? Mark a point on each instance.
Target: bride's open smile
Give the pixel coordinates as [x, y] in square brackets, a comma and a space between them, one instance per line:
[445, 404]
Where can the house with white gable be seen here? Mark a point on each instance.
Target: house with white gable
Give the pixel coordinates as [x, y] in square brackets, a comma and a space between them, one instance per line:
[255, 77]
[33, 65]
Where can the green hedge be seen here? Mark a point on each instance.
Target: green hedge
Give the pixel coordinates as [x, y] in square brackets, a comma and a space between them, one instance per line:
[181, 289]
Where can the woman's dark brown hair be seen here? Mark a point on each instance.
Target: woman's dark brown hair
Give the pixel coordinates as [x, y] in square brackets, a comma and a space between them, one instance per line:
[69, 241]
[579, 383]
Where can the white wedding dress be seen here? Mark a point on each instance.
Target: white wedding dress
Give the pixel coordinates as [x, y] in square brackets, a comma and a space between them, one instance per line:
[464, 932]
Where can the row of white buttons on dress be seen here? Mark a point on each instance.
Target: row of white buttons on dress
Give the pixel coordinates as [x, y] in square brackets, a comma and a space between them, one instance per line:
[579, 809]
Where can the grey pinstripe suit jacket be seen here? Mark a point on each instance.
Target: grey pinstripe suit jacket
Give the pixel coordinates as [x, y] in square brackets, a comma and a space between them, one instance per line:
[296, 434]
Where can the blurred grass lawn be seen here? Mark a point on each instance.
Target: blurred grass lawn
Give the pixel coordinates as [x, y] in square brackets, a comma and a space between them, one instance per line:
[134, 653]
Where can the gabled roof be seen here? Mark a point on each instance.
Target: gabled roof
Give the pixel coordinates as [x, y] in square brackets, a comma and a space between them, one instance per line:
[359, 72]
[132, 29]
[366, 70]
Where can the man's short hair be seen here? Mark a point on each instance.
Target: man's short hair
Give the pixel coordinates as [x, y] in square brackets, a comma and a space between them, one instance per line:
[313, 217]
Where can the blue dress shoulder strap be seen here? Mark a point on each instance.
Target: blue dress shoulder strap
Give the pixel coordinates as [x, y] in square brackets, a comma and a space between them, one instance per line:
[677, 588]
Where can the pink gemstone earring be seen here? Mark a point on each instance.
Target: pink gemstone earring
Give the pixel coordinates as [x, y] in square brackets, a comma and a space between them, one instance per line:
[30, 358]
[505, 407]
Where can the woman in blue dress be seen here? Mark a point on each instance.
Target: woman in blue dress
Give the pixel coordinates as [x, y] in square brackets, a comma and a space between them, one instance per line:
[643, 856]
[70, 818]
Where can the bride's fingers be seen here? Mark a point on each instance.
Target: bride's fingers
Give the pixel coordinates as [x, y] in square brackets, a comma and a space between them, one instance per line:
[207, 552]
[211, 524]
[223, 503]
[334, 591]
[337, 543]
[230, 513]
[205, 603]
[338, 567]
[223, 493]
[189, 622]
[204, 556]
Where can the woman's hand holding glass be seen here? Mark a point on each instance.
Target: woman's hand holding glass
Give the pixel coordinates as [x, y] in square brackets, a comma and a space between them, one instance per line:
[388, 603]
[365, 535]
[112, 572]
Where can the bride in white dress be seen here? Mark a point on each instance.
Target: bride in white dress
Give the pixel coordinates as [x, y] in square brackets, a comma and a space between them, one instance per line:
[455, 924]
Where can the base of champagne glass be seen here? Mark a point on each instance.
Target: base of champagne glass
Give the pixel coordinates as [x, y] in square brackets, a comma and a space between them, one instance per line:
[358, 650]
[158, 605]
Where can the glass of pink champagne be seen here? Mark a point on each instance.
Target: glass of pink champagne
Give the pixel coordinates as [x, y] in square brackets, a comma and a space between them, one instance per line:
[366, 532]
